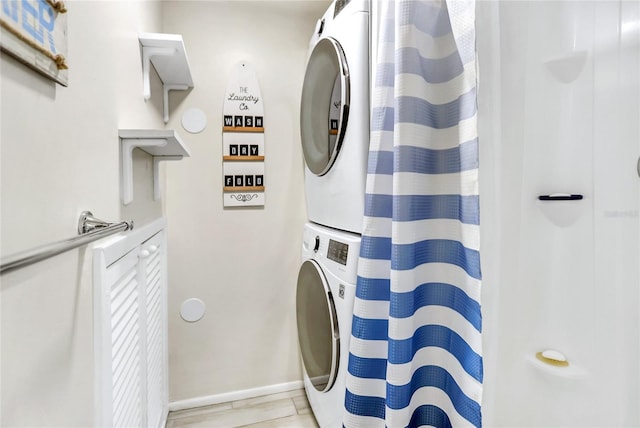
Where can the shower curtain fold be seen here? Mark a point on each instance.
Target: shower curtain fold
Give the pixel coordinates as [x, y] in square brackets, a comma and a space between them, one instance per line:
[415, 355]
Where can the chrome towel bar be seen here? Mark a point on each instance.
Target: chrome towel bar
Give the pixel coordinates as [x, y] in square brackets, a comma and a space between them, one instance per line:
[89, 229]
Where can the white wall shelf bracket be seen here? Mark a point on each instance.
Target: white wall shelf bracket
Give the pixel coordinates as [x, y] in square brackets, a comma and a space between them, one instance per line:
[160, 144]
[156, 173]
[165, 98]
[147, 54]
[127, 164]
[167, 54]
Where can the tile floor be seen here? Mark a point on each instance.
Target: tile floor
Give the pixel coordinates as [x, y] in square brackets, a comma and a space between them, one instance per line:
[286, 409]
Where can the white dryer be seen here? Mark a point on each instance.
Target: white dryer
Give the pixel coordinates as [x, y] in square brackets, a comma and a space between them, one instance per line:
[325, 294]
[334, 116]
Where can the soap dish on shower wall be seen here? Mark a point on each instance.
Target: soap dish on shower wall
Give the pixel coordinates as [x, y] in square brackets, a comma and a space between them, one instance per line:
[567, 68]
[549, 362]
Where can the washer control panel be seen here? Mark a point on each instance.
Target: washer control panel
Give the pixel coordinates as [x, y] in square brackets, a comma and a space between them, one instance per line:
[339, 5]
[338, 252]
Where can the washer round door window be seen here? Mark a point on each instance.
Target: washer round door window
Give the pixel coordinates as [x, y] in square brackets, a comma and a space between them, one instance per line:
[324, 108]
[318, 333]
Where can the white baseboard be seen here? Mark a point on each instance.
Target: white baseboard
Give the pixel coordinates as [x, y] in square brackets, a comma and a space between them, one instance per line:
[208, 400]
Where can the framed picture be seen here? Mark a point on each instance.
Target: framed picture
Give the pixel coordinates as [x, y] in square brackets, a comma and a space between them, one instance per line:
[35, 32]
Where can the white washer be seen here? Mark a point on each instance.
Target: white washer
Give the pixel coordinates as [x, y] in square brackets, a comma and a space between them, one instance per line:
[334, 116]
[325, 293]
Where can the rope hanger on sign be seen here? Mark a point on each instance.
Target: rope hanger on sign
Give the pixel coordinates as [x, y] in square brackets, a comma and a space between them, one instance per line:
[58, 6]
[58, 59]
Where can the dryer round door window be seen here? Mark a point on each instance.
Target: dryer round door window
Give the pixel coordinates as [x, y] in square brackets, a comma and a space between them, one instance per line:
[324, 108]
[318, 333]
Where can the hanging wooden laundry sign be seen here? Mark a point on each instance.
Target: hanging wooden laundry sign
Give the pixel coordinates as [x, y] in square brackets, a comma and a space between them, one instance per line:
[35, 32]
[243, 140]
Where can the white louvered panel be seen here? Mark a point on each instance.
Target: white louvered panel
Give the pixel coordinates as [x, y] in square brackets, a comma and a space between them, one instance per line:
[125, 338]
[131, 329]
[155, 336]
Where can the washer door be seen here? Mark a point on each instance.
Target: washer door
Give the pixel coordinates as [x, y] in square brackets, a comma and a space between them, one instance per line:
[324, 108]
[318, 333]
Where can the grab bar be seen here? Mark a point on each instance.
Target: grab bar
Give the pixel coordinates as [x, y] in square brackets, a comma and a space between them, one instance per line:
[89, 229]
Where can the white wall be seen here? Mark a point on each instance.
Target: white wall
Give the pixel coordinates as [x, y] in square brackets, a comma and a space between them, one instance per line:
[241, 262]
[60, 156]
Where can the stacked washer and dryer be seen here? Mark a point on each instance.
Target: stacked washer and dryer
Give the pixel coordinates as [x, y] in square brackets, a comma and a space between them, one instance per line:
[334, 121]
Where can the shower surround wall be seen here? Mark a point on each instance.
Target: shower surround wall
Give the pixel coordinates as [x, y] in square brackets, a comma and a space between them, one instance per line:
[559, 107]
[60, 156]
[242, 263]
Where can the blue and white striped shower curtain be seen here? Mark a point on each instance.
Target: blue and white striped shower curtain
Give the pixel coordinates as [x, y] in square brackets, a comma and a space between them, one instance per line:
[415, 351]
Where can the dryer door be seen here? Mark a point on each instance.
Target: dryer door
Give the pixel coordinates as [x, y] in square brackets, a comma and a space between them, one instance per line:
[318, 334]
[324, 108]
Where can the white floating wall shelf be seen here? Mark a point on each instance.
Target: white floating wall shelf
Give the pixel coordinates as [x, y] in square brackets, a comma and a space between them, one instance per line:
[162, 144]
[167, 54]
